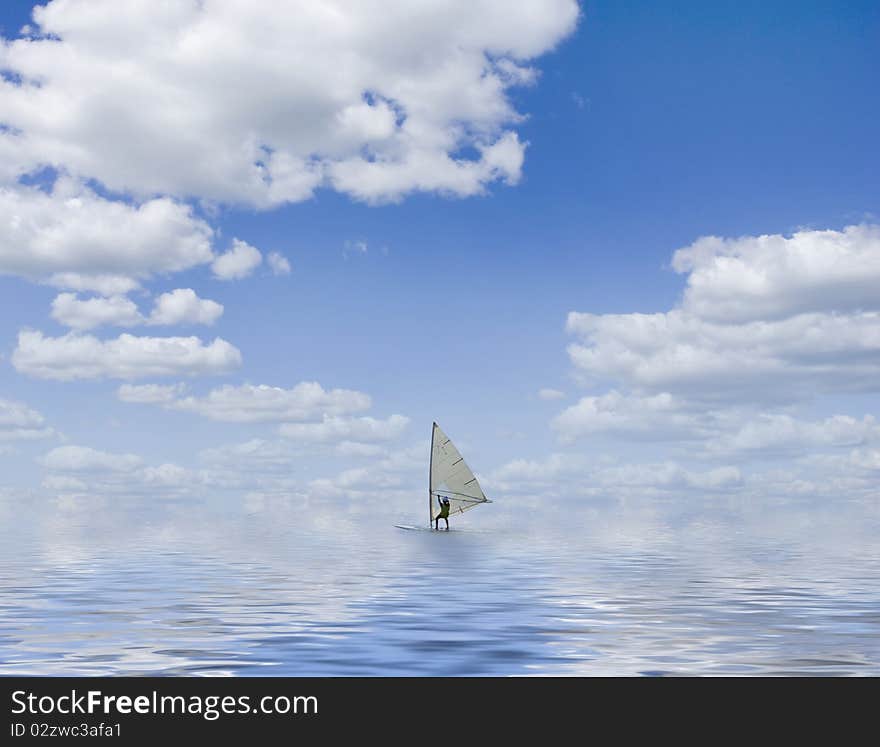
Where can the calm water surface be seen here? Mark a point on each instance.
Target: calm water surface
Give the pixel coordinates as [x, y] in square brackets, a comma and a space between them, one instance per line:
[259, 596]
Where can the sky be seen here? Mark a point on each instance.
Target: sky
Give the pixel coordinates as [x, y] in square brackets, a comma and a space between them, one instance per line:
[618, 251]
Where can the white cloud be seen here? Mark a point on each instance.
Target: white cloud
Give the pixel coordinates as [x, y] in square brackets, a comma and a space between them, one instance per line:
[279, 263]
[250, 403]
[669, 476]
[771, 434]
[346, 429]
[84, 459]
[78, 472]
[394, 477]
[659, 417]
[359, 482]
[741, 432]
[65, 484]
[284, 467]
[149, 394]
[867, 459]
[830, 479]
[431, 171]
[786, 359]
[105, 285]
[238, 262]
[125, 357]
[534, 470]
[230, 102]
[567, 475]
[77, 313]
[74, 238]
[180, 306]
[354, 247]
[789, 335]
[255, 454]
[18, 422]
[183, 306]
[165, 476]
[768, 326]
[269, 466]
[550, 394]
[773, 276]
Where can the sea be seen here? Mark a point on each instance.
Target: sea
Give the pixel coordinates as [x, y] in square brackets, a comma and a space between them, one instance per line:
[284, 589]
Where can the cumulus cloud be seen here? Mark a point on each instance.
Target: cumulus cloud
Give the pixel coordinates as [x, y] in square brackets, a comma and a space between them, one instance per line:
[669, 476]
[771, 434]
[77, 472]
[866, 459]
[359, 482]
[227, 102]
[431, 171]
[774, 276]
[767, 327]
[84, 459]
[71, 311]
[786, 359]
[239, 262]
[727, 431]
[180, 306]
[394, 476]
[567, 475]
[105, 285]
[256, 454]
[282, 466]
[183, 306]
[64, 484]
[250, 403]
[660, 417]
[334, 428]
[75, 356]
[18, 422]
[278, 263]
[539, 470]
[165, 476]
[77, 239]
[751, 326]
[268, 466]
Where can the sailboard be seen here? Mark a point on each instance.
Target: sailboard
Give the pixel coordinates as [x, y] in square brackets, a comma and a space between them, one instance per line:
[449, 477]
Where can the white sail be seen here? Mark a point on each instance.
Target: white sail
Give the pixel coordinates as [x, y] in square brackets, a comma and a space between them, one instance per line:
[451, 477]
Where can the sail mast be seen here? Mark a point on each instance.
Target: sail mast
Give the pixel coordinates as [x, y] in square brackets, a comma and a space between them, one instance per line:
[431, 475]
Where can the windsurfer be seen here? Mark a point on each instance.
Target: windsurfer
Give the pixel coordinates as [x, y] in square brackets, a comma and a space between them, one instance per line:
[444, 512]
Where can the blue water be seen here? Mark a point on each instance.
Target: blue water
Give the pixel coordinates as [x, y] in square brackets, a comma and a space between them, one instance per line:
[104, 591]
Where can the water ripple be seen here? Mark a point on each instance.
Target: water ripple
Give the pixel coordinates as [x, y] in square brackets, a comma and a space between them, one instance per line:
[394, 603]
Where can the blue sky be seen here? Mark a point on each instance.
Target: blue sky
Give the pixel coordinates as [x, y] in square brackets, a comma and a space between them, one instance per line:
[445, 295]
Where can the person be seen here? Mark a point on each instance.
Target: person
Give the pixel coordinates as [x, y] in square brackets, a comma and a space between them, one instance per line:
[444, 512]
